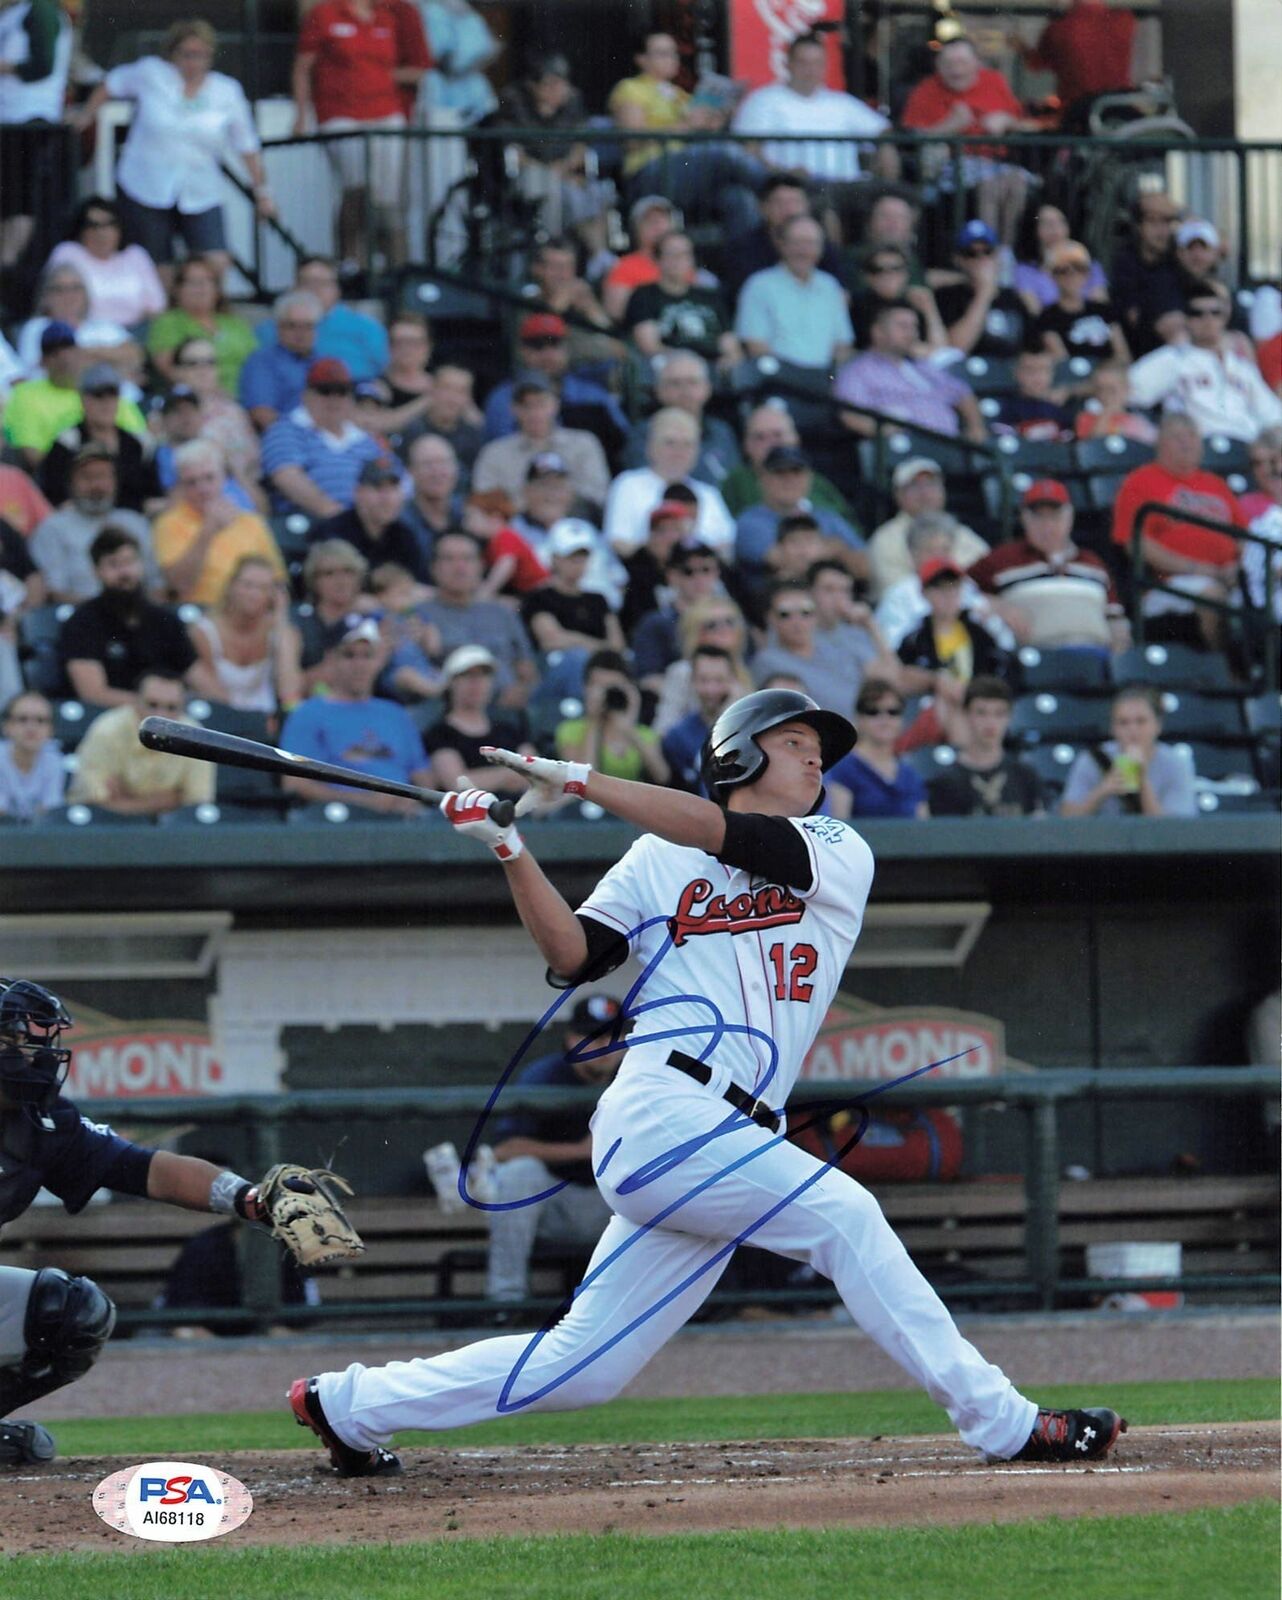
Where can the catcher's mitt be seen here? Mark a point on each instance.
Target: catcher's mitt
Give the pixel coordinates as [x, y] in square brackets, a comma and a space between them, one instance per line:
[301, 1206]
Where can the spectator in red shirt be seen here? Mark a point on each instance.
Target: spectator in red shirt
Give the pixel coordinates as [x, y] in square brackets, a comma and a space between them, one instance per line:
[1195, 560]
[358, 66]
[1089, 51]
[965, 97]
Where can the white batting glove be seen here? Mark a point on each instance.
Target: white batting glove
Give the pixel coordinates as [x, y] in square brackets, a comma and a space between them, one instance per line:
[550, 782]
[469, 812]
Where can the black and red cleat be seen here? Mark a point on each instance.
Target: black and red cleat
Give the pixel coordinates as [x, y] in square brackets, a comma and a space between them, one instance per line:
[1072, 1435]
[348, 1462]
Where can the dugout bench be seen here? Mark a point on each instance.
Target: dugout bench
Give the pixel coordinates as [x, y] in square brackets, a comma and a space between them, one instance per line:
[969, 1237]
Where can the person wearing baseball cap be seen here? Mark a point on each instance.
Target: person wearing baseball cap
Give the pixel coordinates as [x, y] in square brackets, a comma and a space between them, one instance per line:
[313, 457]
[543, 350]
[649, 218]
[785, 491]
[469, 720]
[918, 485]
[561, 616]
[504, 463]
[350, 726]
[537, 1151]
[1051, 593]
[983, 316]
[42, 408]
[137, 484]
[1207, 378]
[941, 655]
[372, 524]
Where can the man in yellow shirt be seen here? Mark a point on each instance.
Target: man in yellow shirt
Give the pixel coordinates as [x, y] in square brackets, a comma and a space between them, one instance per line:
[709, 179]
[115, 771]
[200, 541]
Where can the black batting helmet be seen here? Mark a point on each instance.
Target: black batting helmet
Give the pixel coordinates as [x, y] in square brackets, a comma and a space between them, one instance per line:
[33, 1064]
[731, 755]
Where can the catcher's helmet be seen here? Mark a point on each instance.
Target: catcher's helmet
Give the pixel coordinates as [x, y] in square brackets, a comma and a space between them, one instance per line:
[731, 755]
[33, 1065]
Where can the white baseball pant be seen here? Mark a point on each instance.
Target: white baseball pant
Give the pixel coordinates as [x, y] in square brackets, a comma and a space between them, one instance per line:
[648, 1277]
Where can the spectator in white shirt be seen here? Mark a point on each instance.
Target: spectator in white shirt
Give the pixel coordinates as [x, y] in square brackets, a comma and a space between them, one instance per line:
[903, 607]
[832, 118]
[672, 448]
[186, 118]
[1206, 378]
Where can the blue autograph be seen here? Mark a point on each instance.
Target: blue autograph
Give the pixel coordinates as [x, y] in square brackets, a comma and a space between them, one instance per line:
[717, 1029]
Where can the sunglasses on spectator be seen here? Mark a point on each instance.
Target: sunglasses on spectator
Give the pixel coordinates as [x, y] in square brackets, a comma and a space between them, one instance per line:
[1206, 311]
[298, 322]
[784, 612]
[882, 711]
[196, 361]
[877, 269]
[331, 390]
[1071, 269]
[99, 394]
[719, 622]
[698, 569]
[977, 252]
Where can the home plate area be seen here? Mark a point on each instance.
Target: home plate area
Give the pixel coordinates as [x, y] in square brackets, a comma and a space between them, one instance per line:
[660, 1489]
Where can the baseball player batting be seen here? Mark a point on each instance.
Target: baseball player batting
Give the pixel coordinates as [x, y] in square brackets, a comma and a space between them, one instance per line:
[741, 912]
[53, 1325]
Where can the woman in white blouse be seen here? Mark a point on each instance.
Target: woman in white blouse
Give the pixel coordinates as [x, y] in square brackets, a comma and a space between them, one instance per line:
[185, 118]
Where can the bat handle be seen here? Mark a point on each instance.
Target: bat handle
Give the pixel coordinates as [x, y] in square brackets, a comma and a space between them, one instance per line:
[503, 812]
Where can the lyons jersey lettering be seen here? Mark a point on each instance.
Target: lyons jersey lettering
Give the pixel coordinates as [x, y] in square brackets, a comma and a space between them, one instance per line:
[768, 907]
[749, 1004]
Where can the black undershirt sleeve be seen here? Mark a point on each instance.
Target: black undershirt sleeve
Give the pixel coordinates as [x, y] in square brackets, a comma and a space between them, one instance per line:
[607, 949]
[766, 847]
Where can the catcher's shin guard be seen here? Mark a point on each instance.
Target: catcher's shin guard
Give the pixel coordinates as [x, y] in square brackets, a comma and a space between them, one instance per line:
[68, 1320]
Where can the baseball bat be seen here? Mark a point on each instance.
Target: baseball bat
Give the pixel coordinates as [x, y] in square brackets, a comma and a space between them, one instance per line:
[230, 750]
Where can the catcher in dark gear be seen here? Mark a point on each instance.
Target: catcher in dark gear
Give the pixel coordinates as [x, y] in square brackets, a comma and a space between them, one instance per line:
[53, 1325]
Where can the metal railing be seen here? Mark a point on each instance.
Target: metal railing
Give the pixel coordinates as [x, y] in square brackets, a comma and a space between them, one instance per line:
[1262, 631]
[458, 194]
[1037, 1097]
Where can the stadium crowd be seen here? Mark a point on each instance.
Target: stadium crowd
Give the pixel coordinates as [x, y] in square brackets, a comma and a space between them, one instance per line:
[328, 524]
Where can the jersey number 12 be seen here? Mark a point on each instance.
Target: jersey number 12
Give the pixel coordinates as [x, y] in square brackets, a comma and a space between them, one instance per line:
[793, 970]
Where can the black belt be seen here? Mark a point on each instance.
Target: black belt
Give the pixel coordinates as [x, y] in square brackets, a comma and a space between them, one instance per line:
[757, 1110]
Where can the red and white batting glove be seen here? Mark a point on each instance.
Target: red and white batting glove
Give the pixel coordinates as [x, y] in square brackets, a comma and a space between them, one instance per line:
[550, 781]
[469, 812]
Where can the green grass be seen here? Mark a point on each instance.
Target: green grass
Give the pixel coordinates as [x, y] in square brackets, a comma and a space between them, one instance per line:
[807, 1416]
[1220, 1555]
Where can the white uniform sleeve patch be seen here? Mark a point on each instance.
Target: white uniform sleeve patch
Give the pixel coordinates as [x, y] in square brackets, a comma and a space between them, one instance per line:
[843, 864]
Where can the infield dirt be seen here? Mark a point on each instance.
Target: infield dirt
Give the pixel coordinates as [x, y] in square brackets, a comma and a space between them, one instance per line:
[804, 1483]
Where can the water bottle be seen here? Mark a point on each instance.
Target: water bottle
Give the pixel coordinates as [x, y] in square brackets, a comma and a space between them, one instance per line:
[442, 1165]
[482, 1176]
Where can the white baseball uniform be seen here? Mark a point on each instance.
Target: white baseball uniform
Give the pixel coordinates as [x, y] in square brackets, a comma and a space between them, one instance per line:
[736, 971]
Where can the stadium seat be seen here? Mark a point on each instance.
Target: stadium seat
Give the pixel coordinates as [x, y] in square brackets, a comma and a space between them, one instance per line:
[989, 375]
[71, 721]
[1062, 669]
[1218, 762]
[1211, 803]
[38, 649]
[1102, 489]
[1173, 666]
[1226, 457]
[1113, 453]
[1065, 718]
[1189, 715]
[1040, 458]
[210, 814]
[78, 815]
[1052, 762]
[931, 761]
[337, 813]
[240, 785]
